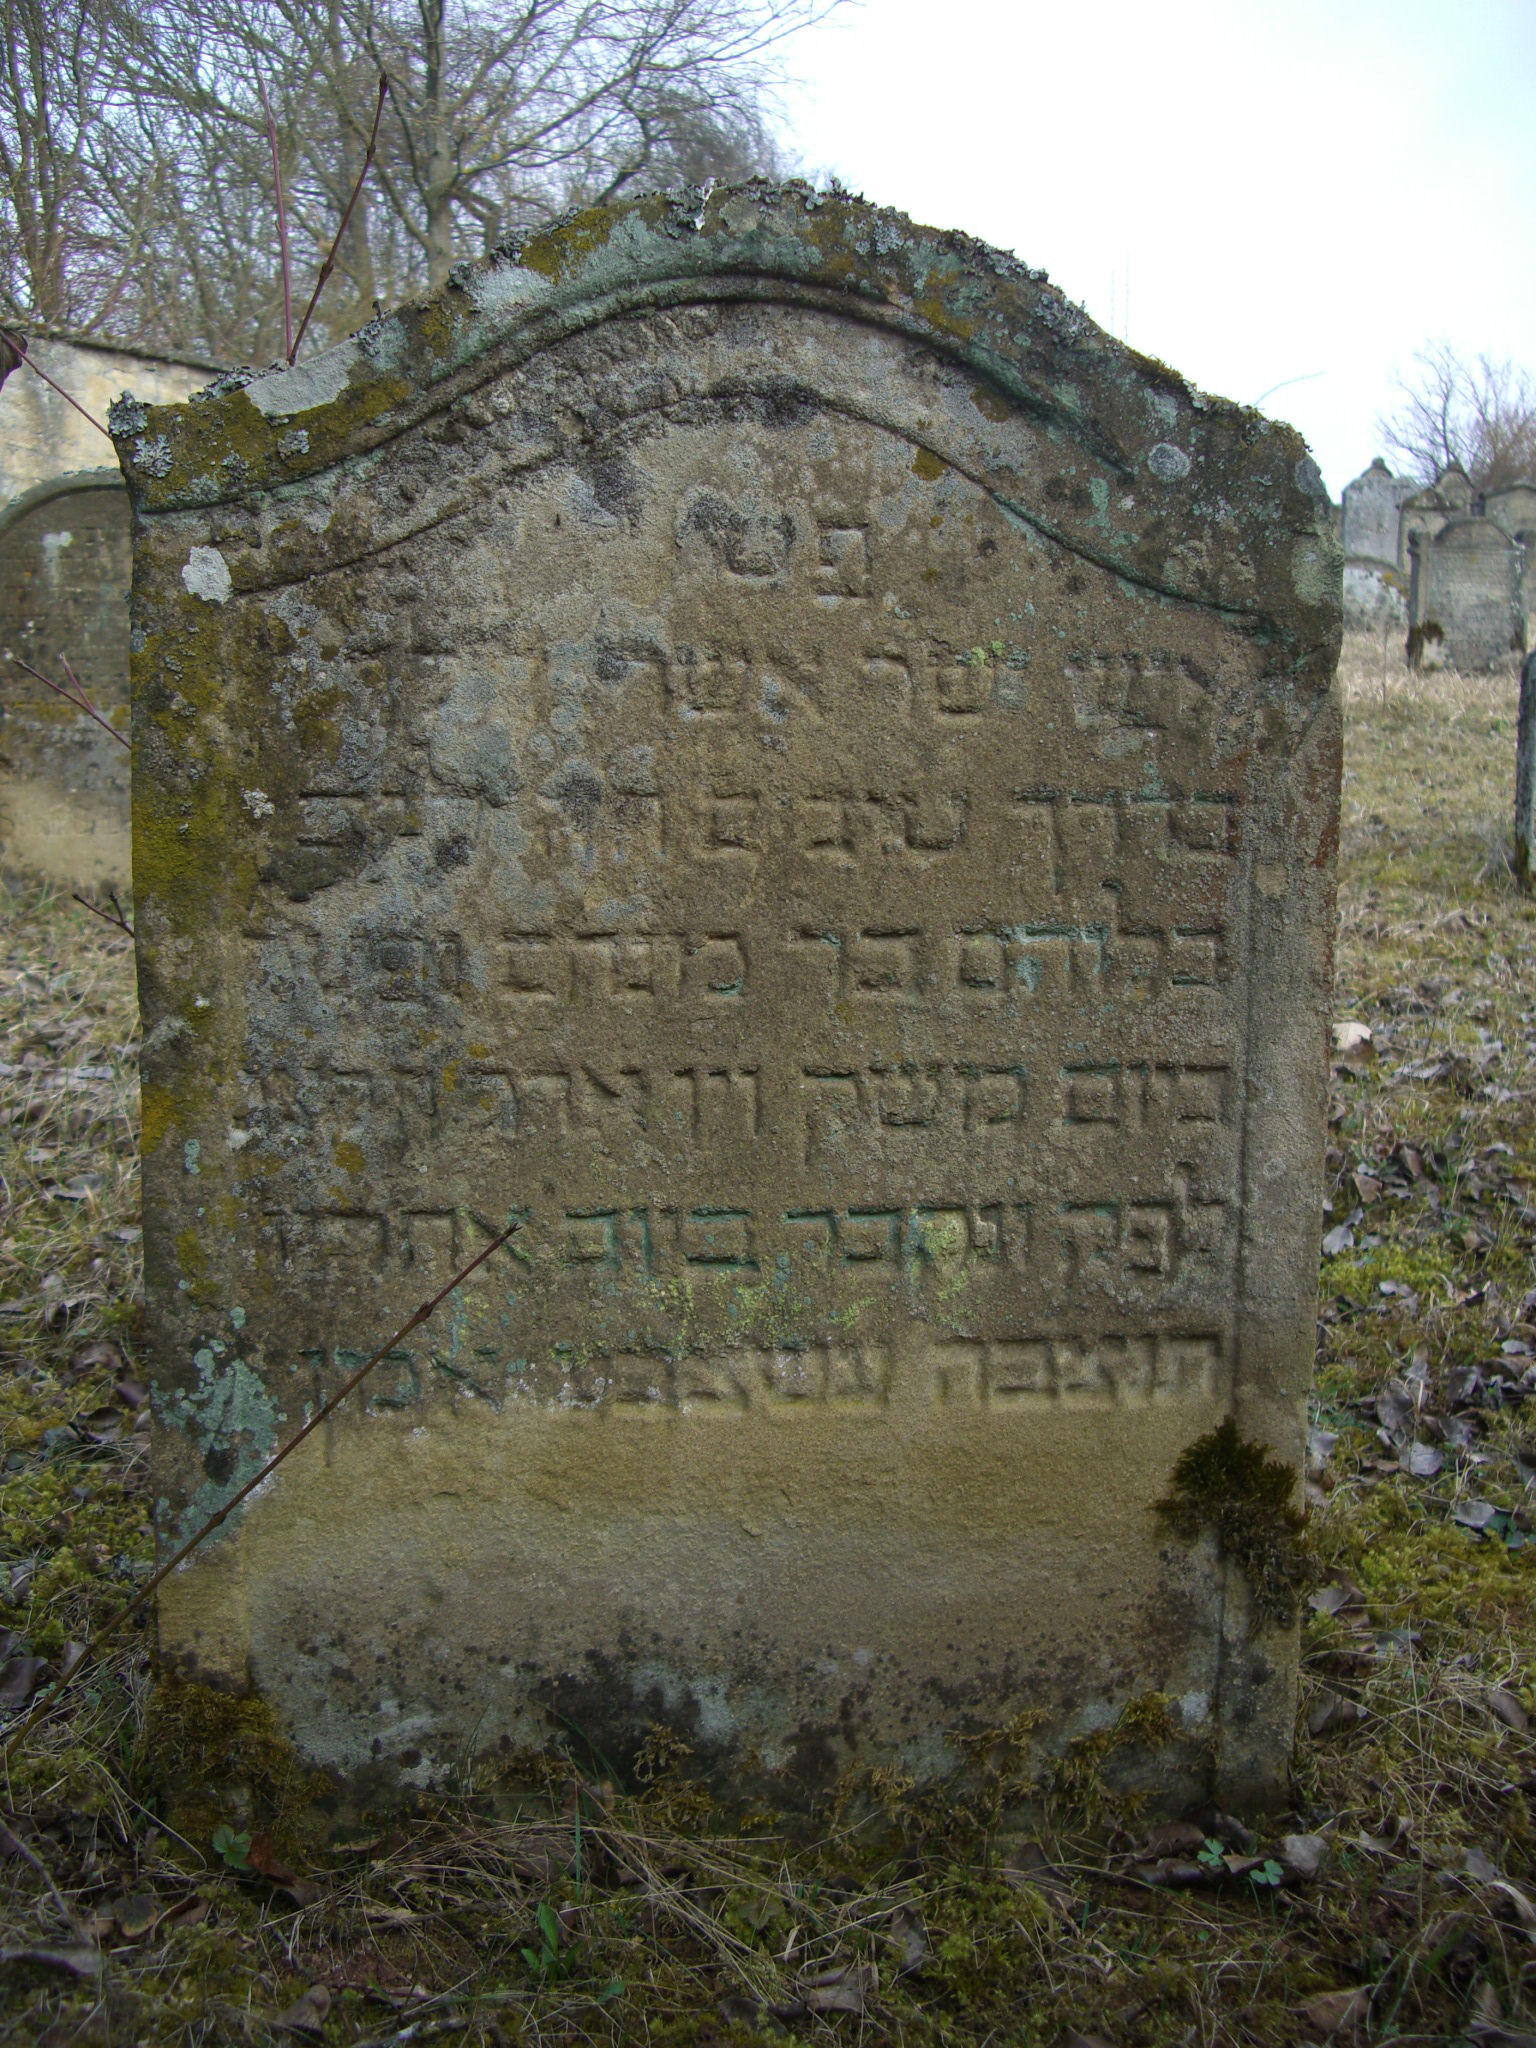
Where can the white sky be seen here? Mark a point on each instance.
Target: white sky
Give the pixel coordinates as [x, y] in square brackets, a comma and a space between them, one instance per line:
[1296, 186]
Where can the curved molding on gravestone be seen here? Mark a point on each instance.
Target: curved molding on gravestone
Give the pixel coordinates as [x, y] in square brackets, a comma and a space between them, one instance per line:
[38, 495]
[1149, 467]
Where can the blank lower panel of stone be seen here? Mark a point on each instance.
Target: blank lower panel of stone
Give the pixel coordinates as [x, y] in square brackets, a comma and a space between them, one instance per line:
[828, 820]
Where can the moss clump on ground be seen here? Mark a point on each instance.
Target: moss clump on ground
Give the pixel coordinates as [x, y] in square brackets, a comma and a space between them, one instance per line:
[214, 1758]
[1246, 1497]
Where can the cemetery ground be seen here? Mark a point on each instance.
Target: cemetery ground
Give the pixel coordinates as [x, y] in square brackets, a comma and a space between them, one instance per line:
[164, 1877]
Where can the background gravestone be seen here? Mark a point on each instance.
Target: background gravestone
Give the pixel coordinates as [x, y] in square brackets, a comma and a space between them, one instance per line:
[64, 569]
[65, 562]
[753, 736]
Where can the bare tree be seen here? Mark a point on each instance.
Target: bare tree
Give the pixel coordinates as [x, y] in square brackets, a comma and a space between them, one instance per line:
[1472, 411]
[501, 114]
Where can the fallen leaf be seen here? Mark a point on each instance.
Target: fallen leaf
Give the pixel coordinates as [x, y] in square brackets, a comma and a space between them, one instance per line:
[261, 1859]
[752, 2011]
[1173, 1838]
[843, 1987]
[1422, 1461]
[1473, 1514]
[544, 1854]
[303, 1891]
[1508, 1709]
[1488, 2034]
[1502, 1894]
[911, 1938]
[1173, 1873]
[136, 1914]
[307, 2013]
[1367, 1187]
[1334, 2012]
[1302, 1855]
[1343, 1598]
[1353, 1049]
[1333, 1711]
[19, 1679]
[1228, 1830]
[78, 1958]
[94, 1357]
[189, 1912]
[1395, 1411]
[1340, 1239]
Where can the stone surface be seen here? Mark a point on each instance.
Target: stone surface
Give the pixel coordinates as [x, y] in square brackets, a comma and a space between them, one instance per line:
[754, 737]
[64, 568]
[1525, 777]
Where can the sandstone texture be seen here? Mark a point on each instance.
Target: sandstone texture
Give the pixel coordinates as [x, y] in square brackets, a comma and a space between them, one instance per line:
[751, 736]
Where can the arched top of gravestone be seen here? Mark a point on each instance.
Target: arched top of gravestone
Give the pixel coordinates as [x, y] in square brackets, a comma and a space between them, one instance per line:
[1181, 494]
[1473, 536]
[66, 486]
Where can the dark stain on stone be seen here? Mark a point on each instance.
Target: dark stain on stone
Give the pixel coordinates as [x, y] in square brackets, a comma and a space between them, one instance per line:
[1061, 490]
[579, 794]
[454, 852]
[614, 486]
[749, 540]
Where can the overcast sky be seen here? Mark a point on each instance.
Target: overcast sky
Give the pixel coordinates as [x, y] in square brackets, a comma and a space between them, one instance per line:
[1293, 188]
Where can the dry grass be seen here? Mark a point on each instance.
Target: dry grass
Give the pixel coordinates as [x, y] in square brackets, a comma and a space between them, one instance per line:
[545, 1908]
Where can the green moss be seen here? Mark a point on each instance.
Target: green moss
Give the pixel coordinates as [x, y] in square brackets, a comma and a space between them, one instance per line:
[212, 1756]
[1410, 1560]
[1425, 1267]
[570, 242]
[1236, 1489]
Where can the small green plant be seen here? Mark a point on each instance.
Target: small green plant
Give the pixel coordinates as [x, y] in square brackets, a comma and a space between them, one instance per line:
[978, 657]
[1211, 1854]
[233, 1851]
[546, 1961]
[1268, 1873]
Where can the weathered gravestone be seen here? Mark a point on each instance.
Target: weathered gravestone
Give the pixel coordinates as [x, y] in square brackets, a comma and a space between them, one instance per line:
[1525, 777]
[752, 735]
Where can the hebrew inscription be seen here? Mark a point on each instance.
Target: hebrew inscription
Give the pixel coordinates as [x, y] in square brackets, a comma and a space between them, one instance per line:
[812, 917]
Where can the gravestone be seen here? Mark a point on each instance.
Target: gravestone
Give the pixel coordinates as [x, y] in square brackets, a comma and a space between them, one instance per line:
[753, 737]
[64, 569]
[1470, 594]
[1525, 777]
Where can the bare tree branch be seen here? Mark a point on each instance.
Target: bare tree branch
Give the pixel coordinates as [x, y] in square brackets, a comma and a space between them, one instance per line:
[132, 184]
[1474, 412]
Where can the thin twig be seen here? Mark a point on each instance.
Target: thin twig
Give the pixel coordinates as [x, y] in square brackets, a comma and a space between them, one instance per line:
[214, 1521]
[330, 262]
[77, 697]
[119, 920]
[18, 343]
[30, 1855]
[282, 221]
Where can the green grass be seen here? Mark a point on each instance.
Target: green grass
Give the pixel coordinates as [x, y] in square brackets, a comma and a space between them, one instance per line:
[541, 1906]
